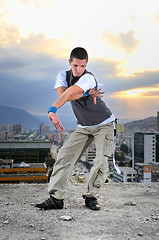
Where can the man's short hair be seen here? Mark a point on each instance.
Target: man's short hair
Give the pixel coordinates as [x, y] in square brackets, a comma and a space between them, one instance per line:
[79, 53]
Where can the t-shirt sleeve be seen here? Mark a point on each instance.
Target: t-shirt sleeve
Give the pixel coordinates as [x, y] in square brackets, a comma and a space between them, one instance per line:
[61, 80]
[86, 82]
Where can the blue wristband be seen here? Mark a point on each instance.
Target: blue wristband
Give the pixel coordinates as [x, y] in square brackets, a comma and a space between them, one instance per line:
[52, 109]
[86, 94]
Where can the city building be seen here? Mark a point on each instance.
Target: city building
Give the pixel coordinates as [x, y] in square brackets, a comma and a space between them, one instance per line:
[120, 128]
[6, 163]
[27, 173]
[127, 175]
[145, 147]
[147, 172]
[128, 139]
[17, 129]
[44, 129]
[26, 151]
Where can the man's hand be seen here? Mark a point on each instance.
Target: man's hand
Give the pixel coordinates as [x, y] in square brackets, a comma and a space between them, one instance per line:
[95, 93]
[55, 121]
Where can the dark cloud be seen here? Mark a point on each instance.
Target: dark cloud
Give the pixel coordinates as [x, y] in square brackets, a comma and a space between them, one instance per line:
[104, 68]
[145, 79]
[8, 63]
[126, 41]
[27, 79]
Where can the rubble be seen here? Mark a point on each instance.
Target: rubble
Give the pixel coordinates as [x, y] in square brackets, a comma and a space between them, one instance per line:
[66, 218]
[127, 211]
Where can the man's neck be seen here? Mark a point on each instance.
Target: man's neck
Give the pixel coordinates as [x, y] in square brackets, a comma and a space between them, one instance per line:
[77, 77]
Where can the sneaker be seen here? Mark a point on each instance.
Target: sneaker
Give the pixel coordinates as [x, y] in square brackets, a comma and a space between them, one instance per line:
[50, 203]
[92, 203]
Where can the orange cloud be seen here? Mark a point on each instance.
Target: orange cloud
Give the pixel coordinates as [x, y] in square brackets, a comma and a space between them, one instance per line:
[39, 43]
[138, 92]
[10, 37]
[125, 41]
[156, 19]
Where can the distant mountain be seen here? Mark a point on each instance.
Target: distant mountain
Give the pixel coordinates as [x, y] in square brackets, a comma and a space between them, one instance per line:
[124, 120]
[10, 115]
[147, 124]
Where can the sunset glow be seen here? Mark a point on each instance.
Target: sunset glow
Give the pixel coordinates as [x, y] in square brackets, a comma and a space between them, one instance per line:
[121, 38]
[133, 93]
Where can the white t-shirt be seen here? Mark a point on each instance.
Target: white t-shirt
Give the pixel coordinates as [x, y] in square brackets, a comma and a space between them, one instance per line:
[85, 82]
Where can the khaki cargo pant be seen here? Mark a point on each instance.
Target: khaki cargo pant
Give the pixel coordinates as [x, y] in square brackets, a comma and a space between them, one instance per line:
[73, 149]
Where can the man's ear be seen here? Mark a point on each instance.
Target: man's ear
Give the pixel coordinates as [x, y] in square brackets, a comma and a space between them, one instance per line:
[69, 61]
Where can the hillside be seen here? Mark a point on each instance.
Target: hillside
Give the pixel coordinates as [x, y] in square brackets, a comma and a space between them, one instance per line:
[10, 115]
[147, 124]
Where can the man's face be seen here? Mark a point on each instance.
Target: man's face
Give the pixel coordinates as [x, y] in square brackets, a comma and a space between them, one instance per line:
[78, 66]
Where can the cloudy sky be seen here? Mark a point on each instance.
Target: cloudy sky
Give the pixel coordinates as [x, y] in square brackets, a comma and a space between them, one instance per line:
[121, 37]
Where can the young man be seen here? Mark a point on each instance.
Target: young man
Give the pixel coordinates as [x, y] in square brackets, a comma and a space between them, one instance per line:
[95, 122]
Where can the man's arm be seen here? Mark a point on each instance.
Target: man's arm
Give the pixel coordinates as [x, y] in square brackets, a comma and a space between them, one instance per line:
[61, 90]
[65, 95]
[72, 93]
[92, 92]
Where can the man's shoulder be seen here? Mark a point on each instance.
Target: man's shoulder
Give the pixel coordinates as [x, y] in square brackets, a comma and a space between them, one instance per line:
[61, 75]
[88, 72]
[88, 75]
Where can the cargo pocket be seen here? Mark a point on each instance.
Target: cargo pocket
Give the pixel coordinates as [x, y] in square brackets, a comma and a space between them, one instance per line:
[109, 143]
